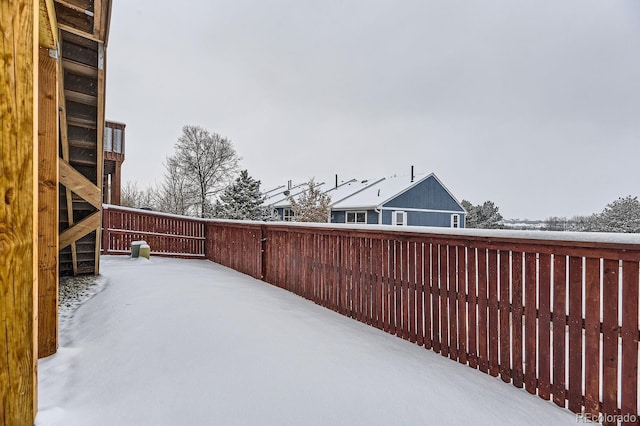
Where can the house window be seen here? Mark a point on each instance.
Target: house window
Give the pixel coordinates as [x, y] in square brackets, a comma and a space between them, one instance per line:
[117, 140]
[288, 215]
[108, 139]
[399, 218]
[455, 221]
[356, 217]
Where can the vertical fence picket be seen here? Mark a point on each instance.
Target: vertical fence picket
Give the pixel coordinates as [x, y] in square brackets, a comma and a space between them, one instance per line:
[483, 353]
[559, 328]
[404, 289]
[610, 338]
[517, 316]
[426, 272]
[369, 281]
[504, 316]
[463, 295]
[411, 281]
[544, 326]
[472, 307]
[444, 308]
[386, 254]
[493, 312]
[435, 297]
[452, 300]
[629, 377]
[575, 334]
[397, 293]
[420, 289]
[376, 264]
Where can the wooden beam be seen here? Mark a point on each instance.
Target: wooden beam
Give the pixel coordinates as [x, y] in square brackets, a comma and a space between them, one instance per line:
[48, 32]
[81, 98]
[97, 18]
[74, 7]
[78, 32]
[47, 204]
[18, 211]
[80, 69]
[76, 182]
[102, 59]
[80, 229]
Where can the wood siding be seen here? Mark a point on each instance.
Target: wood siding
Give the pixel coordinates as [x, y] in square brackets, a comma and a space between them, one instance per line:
[428, 194]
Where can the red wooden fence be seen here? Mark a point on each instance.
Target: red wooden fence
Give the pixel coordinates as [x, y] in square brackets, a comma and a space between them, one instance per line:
[167, 235]
[557, 318]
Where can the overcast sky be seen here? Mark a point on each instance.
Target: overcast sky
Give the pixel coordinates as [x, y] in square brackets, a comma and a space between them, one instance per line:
[534, 105]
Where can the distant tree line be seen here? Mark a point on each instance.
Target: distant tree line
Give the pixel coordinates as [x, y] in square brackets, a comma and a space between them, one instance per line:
[622, 215]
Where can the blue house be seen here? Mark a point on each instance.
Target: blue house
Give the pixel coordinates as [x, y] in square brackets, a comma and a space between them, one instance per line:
[398, 200]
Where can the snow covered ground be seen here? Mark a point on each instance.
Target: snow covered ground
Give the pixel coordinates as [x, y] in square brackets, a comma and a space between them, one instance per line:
[189, 342]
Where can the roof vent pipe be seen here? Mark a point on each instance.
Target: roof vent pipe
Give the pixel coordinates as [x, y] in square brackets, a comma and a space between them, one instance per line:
[336, 180]
[412, 175]
[289, 184]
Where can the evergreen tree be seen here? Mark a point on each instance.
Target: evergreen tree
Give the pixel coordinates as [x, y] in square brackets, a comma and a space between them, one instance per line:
[471, 218]
[484, 216]
[622, 215]
[241, 200]
[312, 205]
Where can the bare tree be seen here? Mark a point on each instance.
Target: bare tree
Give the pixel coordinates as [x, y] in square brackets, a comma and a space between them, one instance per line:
[207, 162]
[177, 194]
[132, 195]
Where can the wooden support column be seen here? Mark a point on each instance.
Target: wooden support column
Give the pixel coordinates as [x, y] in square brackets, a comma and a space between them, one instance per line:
[102, 58]
[18, 211]
[47, 204]
[116, 184]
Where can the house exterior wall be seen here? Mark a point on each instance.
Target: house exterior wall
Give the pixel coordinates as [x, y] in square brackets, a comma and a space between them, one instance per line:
[439, 219]
[428, 194]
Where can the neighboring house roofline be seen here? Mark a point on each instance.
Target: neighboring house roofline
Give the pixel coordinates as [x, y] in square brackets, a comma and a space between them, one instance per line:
[280, 203]
[286, 197]
[272, 190]
[342, 184]
[357, 192]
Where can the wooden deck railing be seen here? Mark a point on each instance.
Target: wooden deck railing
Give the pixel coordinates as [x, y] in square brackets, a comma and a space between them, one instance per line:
[167, 235]
[558, 318]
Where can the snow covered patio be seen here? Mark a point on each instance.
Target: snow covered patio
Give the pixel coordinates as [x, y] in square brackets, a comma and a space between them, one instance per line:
[169, 341]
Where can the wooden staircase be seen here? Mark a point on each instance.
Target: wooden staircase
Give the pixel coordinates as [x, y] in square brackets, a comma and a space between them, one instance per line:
[84, 26]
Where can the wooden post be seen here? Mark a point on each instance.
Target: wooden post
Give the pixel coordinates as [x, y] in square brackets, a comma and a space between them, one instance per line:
[100, 141]
[47, 204]
[116, 184]
[18, 211]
